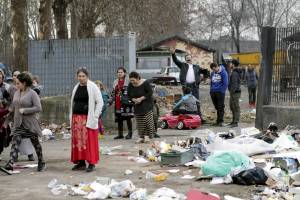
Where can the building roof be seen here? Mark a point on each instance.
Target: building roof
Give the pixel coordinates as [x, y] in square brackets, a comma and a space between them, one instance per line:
[176, 37]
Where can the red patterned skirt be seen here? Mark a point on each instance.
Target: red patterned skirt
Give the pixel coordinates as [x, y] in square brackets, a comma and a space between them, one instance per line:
[85, 144]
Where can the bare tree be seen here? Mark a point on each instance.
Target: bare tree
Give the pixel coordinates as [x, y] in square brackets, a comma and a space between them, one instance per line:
[234, 16]
[270, 12]
[45, 19]
[60, 15]
[20, 33]
[33, 19]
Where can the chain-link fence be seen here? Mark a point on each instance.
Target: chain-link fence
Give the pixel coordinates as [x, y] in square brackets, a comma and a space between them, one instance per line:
[56, 61]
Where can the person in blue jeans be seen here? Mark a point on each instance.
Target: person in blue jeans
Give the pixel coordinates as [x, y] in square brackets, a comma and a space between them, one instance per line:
[218, 86]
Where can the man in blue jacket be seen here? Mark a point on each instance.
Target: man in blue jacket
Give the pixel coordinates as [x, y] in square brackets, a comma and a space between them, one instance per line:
[218, 86]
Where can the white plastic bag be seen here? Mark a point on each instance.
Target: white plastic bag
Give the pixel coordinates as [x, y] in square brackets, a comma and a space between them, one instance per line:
[284, 142]
[99, 191]
[251, 131]
[166, 194]
[122, 189]
[138, 160]
[139, 194]
[247, 145]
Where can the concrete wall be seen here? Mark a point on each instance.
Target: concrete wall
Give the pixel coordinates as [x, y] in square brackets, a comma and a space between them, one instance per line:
[281, 115]
[56, 110]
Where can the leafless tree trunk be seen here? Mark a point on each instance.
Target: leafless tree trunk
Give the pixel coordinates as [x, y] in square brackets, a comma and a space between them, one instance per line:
[20, 34]
[74, 20]
[60, 13]
[45, 19]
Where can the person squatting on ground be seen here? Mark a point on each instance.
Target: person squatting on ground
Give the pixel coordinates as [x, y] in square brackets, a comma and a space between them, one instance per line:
[105, 98]
[190, 76]
[187, 104]
[123, 106]
[218, 87]
[5, 99]
[26, 147]
[23, 110]
[251, 79]
[86, 106]
[235, 93]
[140, 92]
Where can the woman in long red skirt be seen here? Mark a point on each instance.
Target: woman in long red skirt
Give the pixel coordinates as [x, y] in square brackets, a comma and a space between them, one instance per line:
[86, 106]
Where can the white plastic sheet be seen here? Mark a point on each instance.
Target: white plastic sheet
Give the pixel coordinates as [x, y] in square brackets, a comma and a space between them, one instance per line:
[166, 194]
[247, 145]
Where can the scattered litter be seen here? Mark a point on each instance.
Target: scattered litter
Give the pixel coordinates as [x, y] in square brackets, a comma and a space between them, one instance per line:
[108, 150]
[285, 142]
[166, 194]
[138, 160]
[227, 197]
[217, 180]
[157, 177]
[52, 183]
[174, 171]
[128, 172]
[247, 145]
[195, 163]
[122, 189]
[188, 177]
[139, 194]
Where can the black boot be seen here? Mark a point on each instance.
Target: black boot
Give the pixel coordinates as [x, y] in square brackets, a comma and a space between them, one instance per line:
[80, 166]
[9, 166]
[30, 157]
[119, 137]
[129, 136]
[90, 168]
[41, 166]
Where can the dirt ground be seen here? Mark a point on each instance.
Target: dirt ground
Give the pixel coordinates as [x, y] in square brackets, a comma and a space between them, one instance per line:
[32, 185]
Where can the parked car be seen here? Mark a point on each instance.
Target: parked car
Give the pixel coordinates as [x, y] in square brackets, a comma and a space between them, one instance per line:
[167, 76]
[7, 72]
[170, 71]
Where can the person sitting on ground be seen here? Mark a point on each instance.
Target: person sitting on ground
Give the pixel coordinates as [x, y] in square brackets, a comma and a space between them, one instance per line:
[187, 104]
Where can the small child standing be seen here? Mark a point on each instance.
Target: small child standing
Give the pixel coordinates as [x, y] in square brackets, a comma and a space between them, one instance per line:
[105, 98]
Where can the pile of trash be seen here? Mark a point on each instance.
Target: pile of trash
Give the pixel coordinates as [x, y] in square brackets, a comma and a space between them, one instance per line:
[270, 159]
[105, 188]
[54, 132]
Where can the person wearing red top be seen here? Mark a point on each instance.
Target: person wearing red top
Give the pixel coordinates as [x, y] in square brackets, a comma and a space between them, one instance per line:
[123, 106]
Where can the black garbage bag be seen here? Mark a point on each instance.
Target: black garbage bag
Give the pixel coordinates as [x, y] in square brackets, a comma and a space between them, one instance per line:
[254, 176]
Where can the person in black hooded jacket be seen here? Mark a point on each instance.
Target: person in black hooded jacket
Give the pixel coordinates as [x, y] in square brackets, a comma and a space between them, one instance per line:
[234, 88]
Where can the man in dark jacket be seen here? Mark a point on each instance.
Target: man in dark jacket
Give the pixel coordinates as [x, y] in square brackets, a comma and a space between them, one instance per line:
[251, 78]
[218, 87]
[190, 76]
[235, 93]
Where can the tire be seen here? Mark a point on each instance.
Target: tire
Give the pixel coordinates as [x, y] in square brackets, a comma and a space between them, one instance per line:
[180, 125]
[163, 124]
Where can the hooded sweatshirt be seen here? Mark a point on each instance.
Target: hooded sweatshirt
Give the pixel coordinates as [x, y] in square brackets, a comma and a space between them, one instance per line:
[219, 80]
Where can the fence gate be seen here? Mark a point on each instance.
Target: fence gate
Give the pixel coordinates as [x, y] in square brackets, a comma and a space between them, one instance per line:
[285, 88]
[56, 61]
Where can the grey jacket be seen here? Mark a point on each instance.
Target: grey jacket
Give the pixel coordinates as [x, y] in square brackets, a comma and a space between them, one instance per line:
[251, 78]
[235, 81]
[31, 104]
